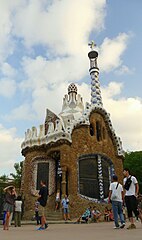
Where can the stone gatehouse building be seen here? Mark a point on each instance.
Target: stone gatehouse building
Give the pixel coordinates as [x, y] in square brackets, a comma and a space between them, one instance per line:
[76, 151]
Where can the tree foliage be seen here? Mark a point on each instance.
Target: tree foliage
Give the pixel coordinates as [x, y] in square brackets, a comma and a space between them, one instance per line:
[133, 161]
[17, 177]
[4, 178]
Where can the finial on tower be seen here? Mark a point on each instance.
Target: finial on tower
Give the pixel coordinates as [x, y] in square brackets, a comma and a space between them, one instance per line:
[93, 54]
[92, 45]
[96, 99]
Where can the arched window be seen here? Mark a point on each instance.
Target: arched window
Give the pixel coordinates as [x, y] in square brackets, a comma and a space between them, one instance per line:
[91, 130]
[98, 131]
[88, 177]
[104, 133]
[42, 173]
[95, 172]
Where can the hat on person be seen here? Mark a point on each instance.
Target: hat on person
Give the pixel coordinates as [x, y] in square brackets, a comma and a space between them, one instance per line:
[8, 187]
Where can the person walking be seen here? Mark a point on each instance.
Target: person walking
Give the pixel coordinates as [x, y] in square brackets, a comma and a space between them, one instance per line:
[116, 197]
[17, 212]
[131, 187]
[10, 195]
[42, 199]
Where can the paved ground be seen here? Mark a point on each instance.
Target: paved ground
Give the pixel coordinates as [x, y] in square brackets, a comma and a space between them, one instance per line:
[94, 231]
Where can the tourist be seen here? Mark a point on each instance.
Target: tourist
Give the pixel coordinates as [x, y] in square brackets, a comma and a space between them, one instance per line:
[17, 212]
[106, 214]
[85, 216]
[65, 206]
[10, 195]
[37, 217]
[57, 200]
[116, 197]
[111, 217]
[95, 214]
[131, 187]
[42, 199]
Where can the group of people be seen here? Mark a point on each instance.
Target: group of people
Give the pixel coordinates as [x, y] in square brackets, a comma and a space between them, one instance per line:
[118, 196]
[108, 214]
[126, 194]
[90, 215]
[13, 204]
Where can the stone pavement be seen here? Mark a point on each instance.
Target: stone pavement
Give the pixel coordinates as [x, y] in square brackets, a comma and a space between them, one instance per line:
[94, 231]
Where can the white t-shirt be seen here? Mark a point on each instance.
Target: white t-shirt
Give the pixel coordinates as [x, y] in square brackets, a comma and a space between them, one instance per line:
[18, 206]
[132, 189]
[119, 191]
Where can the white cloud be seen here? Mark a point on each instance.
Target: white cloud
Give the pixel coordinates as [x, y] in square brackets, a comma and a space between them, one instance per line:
[9, 149]
[7, 70]
[43, 73]
[23, 112]
[111, 90]
[126, 114]
[111, 51]
[6, 40]
[124, 70]
[7, 87]
[64, 27]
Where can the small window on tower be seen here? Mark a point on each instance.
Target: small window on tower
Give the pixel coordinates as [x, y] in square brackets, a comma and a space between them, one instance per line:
[91, 130]
[104, 133]
[98, 131]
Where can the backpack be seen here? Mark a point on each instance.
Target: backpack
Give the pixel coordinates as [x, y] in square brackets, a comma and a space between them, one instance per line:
[128, 183]
[114, 194]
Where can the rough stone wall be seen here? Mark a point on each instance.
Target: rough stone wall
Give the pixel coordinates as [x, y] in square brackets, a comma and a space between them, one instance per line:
[82, 143]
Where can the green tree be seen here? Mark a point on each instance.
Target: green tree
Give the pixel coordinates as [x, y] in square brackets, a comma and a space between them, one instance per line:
[133, 161]
[4, 178]
[17, 177]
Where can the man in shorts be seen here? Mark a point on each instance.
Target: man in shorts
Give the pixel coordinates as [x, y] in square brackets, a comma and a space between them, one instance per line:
[65, 205]
[42, 199]
[131, 187]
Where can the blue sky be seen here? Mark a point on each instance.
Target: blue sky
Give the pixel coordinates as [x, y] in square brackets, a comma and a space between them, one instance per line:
[44, 47]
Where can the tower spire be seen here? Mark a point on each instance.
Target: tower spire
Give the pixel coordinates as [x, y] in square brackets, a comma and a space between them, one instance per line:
[96, 98]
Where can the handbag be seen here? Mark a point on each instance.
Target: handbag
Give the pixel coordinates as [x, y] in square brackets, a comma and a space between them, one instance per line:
[128, 183]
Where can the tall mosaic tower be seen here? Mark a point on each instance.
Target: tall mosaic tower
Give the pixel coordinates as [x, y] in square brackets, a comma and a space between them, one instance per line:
[96, 98]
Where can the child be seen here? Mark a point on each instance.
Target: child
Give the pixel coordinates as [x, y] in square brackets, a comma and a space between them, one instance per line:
[57, 201]
[37, 217]
[18, 210]
[106, 214]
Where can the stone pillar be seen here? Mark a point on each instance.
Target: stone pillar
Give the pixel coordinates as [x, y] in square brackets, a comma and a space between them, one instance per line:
[64, 171]
[100, 177]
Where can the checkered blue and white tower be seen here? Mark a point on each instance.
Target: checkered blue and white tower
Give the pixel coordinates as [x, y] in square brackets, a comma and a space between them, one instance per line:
[96, 99]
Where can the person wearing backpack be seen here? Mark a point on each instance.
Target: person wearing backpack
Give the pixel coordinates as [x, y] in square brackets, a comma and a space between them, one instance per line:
[131, 187]
[116, 197]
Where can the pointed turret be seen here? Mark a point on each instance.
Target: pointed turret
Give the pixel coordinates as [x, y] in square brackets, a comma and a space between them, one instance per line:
[96, 98]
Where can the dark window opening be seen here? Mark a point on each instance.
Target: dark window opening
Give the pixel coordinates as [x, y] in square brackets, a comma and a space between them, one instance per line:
[104, 133]
[88, 177]
[91, 130]
[98, 131]
[42, 174]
